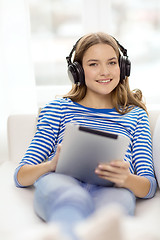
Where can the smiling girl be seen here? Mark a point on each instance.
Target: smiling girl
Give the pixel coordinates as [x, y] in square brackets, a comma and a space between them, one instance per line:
[100, 98]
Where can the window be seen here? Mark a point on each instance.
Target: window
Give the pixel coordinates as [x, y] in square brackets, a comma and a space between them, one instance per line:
[57, 24]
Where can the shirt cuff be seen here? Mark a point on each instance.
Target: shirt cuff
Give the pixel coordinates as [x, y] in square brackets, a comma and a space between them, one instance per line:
[15, 177]
[153, 187]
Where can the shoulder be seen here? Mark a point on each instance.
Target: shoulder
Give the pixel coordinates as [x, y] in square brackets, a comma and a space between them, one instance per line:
[57, 103]
[138, 113]
[55, 107]
[139, 117]
[135, 117]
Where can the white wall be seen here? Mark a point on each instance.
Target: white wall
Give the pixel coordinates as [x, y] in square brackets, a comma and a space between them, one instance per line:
[96, 16]
[17, 84]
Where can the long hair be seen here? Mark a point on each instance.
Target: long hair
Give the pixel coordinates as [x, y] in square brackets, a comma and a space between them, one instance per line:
[123, 99]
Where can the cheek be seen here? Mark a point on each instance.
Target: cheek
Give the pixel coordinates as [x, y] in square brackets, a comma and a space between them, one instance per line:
[117, 74]
[88, 73]
[117, 71]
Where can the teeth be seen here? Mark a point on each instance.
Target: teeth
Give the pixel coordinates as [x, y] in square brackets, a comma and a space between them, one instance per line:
[104, 81]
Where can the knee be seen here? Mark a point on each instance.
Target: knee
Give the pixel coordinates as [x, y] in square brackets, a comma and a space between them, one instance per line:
[54, 190]
[129, 201]
[75, 194]
[53, 184]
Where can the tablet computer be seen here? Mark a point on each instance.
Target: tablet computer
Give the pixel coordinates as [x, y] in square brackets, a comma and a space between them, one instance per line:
[84, 148]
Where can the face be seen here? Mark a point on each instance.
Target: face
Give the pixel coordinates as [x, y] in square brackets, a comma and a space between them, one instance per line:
[101, 69]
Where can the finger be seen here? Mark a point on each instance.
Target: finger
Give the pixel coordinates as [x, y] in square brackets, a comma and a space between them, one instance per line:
[118, 181]
[113, 164]
[59, 148]
[111, 169]
[107, 174]
[58, 151]
[120, 164]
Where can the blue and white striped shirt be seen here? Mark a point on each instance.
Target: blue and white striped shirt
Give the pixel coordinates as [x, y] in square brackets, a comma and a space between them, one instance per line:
[134, 124]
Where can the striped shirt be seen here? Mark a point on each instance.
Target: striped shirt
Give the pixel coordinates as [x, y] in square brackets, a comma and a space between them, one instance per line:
[134, 124]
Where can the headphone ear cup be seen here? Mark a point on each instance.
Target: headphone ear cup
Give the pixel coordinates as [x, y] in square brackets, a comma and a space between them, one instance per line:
[72, 73]
[128, 67]
[122, 68]
[76, 73]
[125, 67]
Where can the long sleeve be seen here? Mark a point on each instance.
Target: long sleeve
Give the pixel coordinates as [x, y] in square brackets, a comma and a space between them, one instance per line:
[142, 153]
[43, 145]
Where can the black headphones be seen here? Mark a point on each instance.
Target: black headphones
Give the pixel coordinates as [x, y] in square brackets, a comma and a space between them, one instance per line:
[76, 72]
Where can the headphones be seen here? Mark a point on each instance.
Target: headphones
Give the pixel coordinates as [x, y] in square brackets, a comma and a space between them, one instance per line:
[76, 72]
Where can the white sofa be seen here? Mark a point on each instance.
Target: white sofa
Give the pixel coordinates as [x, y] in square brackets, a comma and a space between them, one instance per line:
[17, 217]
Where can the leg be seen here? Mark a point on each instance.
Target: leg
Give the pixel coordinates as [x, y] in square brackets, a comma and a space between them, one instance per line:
[60, 198]
[106, 223]
[104, 196]
[111, 204]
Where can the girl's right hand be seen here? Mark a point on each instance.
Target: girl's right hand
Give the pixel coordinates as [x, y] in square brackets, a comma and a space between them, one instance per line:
[54, 160]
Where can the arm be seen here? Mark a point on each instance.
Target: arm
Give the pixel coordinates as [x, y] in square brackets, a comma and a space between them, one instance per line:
[33, 164]
[28, 174]
[118, 172]
[140, 177]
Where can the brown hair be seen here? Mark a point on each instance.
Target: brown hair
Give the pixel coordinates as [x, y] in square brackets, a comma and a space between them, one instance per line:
[123, 98]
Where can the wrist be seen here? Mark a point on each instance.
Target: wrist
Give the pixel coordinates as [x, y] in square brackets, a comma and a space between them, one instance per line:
[50, 167]
[128, 181]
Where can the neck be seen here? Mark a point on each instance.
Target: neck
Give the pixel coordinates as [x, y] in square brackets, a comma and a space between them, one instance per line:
[97, 103]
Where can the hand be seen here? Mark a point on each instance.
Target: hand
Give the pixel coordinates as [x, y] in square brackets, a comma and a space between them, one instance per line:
[116, 171]
[54, 160]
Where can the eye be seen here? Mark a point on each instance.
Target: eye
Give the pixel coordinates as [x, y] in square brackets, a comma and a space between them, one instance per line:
[92, 64]
[112, 63]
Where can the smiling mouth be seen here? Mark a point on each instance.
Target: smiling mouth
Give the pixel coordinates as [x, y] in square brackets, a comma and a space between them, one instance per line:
[104, 81]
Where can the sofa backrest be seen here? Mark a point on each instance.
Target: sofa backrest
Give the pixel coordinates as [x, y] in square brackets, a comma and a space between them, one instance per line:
[153, 116]
[21, 129]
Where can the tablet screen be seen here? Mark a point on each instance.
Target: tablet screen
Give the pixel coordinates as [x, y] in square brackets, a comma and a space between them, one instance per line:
[84, 148]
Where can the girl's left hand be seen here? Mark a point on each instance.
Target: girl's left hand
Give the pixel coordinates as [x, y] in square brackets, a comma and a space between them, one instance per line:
[116, 171]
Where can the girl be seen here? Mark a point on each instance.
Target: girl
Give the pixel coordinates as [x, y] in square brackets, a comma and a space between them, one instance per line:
[100, 98]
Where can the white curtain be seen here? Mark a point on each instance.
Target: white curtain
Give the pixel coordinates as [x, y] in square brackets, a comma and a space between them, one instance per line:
[17, 83]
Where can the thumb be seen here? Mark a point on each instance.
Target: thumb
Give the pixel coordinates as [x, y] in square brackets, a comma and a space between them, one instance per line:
[58, 149]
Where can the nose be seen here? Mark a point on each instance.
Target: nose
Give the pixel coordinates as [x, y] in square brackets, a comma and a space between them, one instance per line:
[104, 70]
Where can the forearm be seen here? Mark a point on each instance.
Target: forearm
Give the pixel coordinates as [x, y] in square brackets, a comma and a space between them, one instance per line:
[139, 185]
[28, 174]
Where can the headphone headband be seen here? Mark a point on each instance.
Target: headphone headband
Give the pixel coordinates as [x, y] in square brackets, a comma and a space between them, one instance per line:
[122, 49]
[73, 49]
[76, 72]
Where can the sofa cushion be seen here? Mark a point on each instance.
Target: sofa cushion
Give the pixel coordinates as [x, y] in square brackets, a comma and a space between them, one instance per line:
[16, 204]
